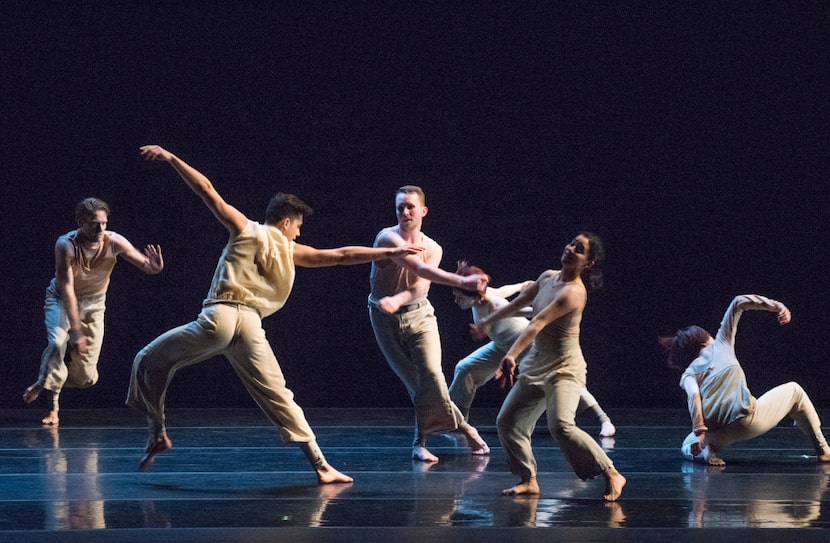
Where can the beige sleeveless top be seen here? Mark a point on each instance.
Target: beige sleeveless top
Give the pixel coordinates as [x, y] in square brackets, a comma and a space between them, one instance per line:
[256, 269]
[91, 267]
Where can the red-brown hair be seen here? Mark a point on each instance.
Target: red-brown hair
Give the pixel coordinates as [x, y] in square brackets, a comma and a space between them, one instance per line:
[465, 269]
[684, 346]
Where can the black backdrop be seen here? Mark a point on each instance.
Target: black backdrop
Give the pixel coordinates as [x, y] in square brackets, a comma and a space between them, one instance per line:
[692, 139]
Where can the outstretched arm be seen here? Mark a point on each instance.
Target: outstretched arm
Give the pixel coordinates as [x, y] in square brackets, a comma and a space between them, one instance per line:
[506, 291]
[517, 305]
[233, 219]
[151, 262]
[429, 270]
[309, 257]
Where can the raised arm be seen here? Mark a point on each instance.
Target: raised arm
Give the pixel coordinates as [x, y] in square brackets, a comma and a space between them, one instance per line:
[233, 219]
[749, 302]
[65, 284]
[309, 257]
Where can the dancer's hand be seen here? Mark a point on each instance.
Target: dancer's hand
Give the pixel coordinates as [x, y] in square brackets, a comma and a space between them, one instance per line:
[155, 262]
[784, 315]
[697, 446]
[389, 305]
[155, 152]
[77, 341]
[505, 371]
[476, 282]
[407, 249]
[479, 330]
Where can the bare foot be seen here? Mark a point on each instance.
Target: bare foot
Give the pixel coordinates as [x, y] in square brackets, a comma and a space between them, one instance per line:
[155, 445]
[614, 483]
[51, 419]
[478, 445]
[328, 475]
[32, 393]
[525, 487]
[711, 459]
[419, 452]
[607, 429]
[823, 458]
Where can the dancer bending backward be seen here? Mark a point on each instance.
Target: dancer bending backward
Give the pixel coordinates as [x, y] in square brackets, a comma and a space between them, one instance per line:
[722, 409]
[76, 301]
[480, 366]
[553, 373]
[405, 326]
[252, 280]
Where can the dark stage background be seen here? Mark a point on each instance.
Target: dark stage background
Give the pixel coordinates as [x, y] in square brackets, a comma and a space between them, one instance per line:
[694, 140]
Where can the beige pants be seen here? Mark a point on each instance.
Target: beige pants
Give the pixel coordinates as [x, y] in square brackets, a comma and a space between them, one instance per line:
[82, 369]
[236, 332]
[559, 399]
[411, 345]
[784, 400]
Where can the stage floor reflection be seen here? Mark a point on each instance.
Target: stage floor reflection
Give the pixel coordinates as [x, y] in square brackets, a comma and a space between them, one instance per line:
[229, 478]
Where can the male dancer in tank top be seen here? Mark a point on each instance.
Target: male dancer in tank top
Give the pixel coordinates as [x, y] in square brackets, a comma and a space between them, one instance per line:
[76, 300]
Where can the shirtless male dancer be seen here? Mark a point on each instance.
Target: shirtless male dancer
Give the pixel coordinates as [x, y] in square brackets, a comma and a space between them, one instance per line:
[405, 326]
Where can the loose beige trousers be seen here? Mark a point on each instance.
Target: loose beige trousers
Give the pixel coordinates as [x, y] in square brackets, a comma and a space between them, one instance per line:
[232, 330]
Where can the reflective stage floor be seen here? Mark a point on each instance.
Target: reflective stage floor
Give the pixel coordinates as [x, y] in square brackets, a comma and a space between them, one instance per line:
[229, 478]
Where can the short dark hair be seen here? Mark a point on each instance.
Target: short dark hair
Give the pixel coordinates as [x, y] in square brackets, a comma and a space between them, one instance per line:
[86, 208]
[283, 205]
[684, 346]
[592, 277]
[413, 189]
